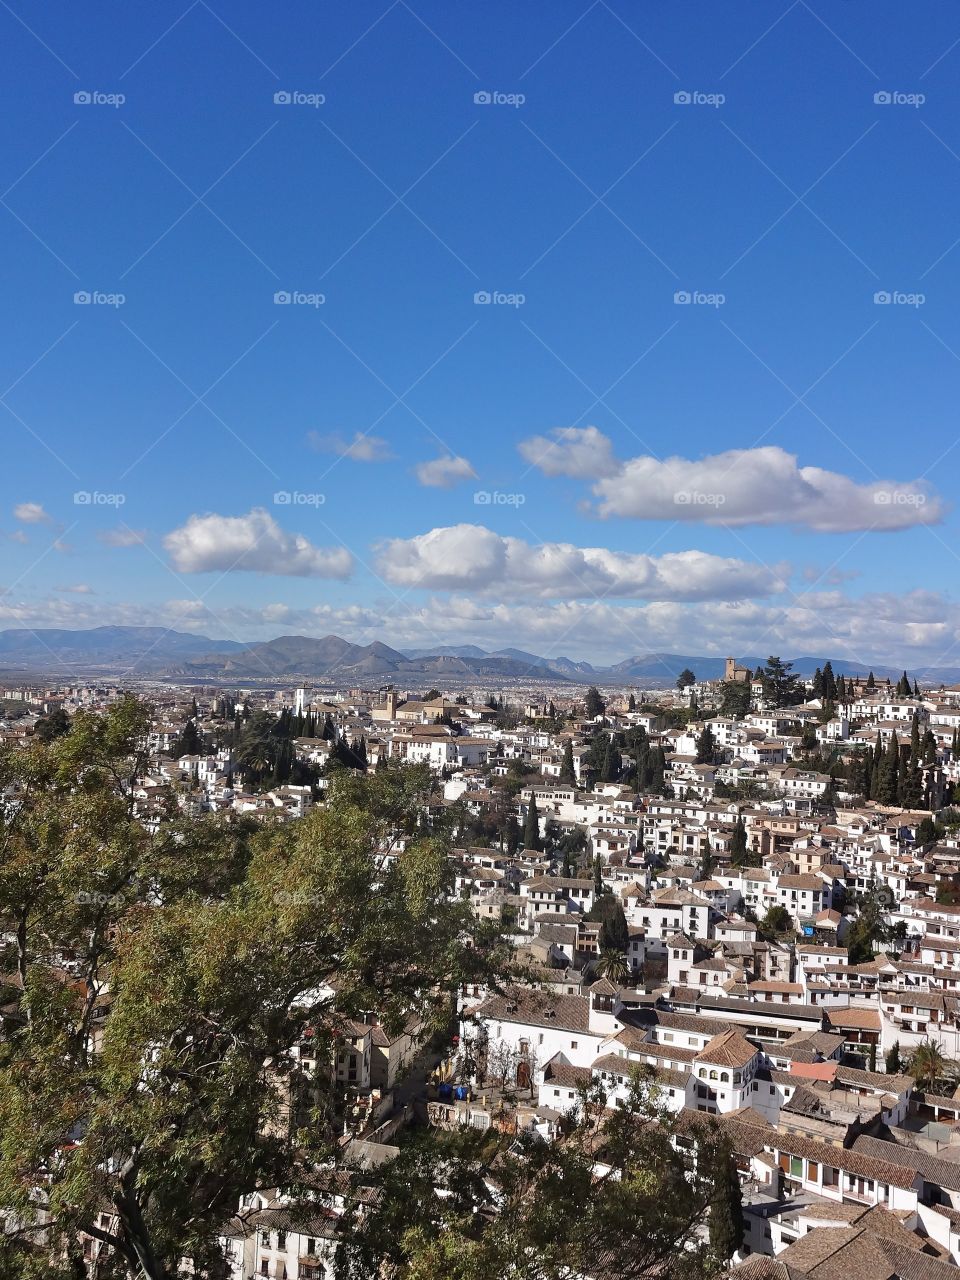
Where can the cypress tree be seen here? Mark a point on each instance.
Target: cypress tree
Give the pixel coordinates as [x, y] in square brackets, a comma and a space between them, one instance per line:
[568, 773]
[531, 830]
[726, 1223]
[829, 681]
[889, 772]
[738, 843]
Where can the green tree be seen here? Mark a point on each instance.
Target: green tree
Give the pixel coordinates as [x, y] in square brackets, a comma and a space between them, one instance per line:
[216, 943]
[738, 843]
[776, 922]
[829, 682]
[735, 699]
[531, 831]
[686, 677]
[188, 742]
[726, 1223]
[614, 932]
[929, 1065]
[706, 746]
[51, 726]
[548, 1215]
[612, 965]
[782, 686]
[889, 774]
[893, 1063]
[568, 773]
[593, 703]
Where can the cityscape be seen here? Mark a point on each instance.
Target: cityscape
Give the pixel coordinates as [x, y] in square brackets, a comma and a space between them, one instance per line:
[479, 657]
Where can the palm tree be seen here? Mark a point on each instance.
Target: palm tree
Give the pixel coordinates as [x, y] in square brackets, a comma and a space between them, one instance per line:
[612, 965]
[928, 1064]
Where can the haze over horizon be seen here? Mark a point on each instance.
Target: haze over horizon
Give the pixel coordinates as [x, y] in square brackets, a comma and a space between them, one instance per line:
[402, 323]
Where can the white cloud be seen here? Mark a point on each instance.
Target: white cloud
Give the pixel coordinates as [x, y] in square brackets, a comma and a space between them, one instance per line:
[445, 472]
[909, 630]
[77, 589]
[762, 486]
[19, 535]
[31, 513]
[252, 543]
[362, 448]
[468, 557]
[122, 537]
[580, 452]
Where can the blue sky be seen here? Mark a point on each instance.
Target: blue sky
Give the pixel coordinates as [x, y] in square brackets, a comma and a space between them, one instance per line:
[769, 466]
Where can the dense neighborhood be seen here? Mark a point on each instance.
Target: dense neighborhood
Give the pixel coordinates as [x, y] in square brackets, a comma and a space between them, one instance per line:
[741, 896]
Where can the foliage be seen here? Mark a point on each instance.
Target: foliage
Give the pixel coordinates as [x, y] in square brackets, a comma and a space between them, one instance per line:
[614, 932]
[593, 703]
[515, 1207]
[929, 1066]
[215, 942]
[735, 699]
[781, 685]
[775, 923]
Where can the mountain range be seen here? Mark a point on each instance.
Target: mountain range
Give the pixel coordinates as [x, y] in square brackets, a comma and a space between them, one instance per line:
[153, 652]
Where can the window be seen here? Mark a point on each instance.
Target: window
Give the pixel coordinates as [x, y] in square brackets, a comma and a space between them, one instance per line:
[573, 1044]
[281, 1239]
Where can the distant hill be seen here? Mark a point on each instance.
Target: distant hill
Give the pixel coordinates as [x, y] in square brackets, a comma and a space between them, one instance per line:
[142, 647]
[158, 653]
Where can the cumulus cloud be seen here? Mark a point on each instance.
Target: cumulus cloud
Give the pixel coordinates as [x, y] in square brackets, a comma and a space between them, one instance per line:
[362, 448]
[469, 557]
[445, 472]
[911, 630]
[762, 486]
[77, 589]
[19, 535]
[252, 543]
[31, 513]
[122, 536]
[570, 451]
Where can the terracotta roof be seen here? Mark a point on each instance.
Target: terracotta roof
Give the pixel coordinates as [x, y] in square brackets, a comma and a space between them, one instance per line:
[729, 1049]
[538, 1008]
[868, 1019]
